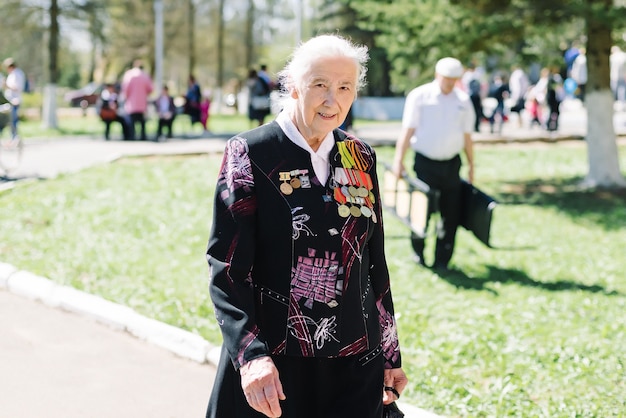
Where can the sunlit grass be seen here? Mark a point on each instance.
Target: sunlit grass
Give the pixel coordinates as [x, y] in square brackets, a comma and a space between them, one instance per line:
[532, 328]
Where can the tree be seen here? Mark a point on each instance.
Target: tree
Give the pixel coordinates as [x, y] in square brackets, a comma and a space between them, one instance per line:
[49, 104]
[462, 28]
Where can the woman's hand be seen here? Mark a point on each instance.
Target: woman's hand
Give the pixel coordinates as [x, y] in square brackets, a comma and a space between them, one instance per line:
[261, 386]
[395, 381]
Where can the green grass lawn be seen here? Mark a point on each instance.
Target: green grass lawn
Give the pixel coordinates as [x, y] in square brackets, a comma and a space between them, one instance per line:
[535, 327]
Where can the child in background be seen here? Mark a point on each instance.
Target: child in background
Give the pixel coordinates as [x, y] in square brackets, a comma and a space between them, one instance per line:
[205, 107]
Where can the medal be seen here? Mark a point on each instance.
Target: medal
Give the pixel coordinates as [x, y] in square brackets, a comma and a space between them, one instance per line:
[344, 211]
[295, 183]
[366, 211]
[362, 192]
[305, 182]
[353, 191]
[286, 188]
[355, 211]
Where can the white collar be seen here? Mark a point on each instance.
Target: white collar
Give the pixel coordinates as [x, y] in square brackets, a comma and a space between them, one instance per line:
[319, 158]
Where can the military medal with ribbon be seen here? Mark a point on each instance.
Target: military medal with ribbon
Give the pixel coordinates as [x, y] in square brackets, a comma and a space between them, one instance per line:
[354, 184]
[294, 179]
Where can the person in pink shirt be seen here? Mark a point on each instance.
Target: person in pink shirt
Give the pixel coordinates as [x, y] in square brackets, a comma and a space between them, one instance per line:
[136, 87]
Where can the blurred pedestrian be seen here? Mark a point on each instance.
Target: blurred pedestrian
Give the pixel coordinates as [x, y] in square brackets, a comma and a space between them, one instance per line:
[518, 87]
[554, 97]
[14, 85]
[192, 100]
[472, 84]
[617, 61]
[205, 110]
[136, 88]
[500, 91]
[299, 279]
[259, 95]
[437, 124]
[579, 74]
[109, 111]
[166, 111]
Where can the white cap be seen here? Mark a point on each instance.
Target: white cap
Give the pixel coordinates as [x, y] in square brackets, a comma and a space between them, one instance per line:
[449, 67]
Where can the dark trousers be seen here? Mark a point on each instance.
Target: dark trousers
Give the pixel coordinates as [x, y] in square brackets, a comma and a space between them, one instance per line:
[444, 177]
[164, 125]
[135, 118]
[107, 127]
[478, 110]
[314, 388]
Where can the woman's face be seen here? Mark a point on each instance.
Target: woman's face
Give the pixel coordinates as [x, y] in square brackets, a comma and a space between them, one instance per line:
[324, 97]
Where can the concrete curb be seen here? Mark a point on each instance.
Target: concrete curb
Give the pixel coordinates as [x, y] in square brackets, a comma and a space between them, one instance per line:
[180, 342]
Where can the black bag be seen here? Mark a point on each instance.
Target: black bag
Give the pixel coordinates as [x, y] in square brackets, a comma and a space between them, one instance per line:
[392, 411]
[476, 211]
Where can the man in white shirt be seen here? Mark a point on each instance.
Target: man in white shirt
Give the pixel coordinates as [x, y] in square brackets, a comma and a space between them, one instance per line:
[13, 87]
[437, 123]
[579, 73]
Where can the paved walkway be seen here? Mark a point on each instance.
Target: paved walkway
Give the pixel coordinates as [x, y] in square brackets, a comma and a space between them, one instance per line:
[66, 354]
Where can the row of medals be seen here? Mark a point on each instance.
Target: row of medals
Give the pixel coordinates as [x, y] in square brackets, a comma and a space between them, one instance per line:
[294, 179]
[358, 197]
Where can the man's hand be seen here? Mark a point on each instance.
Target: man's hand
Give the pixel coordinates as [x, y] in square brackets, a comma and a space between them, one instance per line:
[261, 386]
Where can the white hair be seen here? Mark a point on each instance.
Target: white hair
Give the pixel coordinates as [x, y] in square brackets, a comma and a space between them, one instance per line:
[322, 46]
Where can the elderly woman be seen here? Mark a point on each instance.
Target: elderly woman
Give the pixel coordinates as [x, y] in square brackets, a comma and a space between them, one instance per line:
[299, 279]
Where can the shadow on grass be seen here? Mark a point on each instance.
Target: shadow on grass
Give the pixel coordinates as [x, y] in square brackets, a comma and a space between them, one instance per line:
[461, 280]
[604, 207]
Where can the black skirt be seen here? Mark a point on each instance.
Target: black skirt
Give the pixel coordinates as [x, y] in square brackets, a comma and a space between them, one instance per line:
[314, 388]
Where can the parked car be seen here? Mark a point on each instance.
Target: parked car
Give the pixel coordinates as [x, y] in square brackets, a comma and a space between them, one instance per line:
[84, 97]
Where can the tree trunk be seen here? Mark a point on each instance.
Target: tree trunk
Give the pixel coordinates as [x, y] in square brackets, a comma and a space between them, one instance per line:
[49, 118]
[191, 30]
[220, 56]
[604, 169]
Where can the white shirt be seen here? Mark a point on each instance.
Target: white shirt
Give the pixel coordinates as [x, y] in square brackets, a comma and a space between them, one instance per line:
[440, 120]
[579, 69]
[15, 82]
[319, 158]
[518, 84]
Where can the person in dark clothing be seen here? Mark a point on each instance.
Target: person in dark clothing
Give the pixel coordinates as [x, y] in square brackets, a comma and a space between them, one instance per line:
[499, 91]
[259, 93]
[166, 110]
[192, 100]
[299, 279]
[554, 97]
[108, 109]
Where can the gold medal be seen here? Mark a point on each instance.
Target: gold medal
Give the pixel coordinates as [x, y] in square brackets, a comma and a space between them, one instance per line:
[353, 191]
[362, 192]
[286, 188]
[372, 199]
[343, 210]
[366, 211]
[355, 211]
[295, 183]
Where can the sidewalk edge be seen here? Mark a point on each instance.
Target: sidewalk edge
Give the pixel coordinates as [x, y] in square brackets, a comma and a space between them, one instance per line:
[178, 341]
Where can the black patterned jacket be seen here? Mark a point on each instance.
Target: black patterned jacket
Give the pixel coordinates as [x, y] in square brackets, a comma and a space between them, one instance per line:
[291, 272]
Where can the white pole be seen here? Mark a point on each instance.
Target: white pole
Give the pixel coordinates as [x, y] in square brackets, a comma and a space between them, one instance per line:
[299, 8]
[158, 45]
